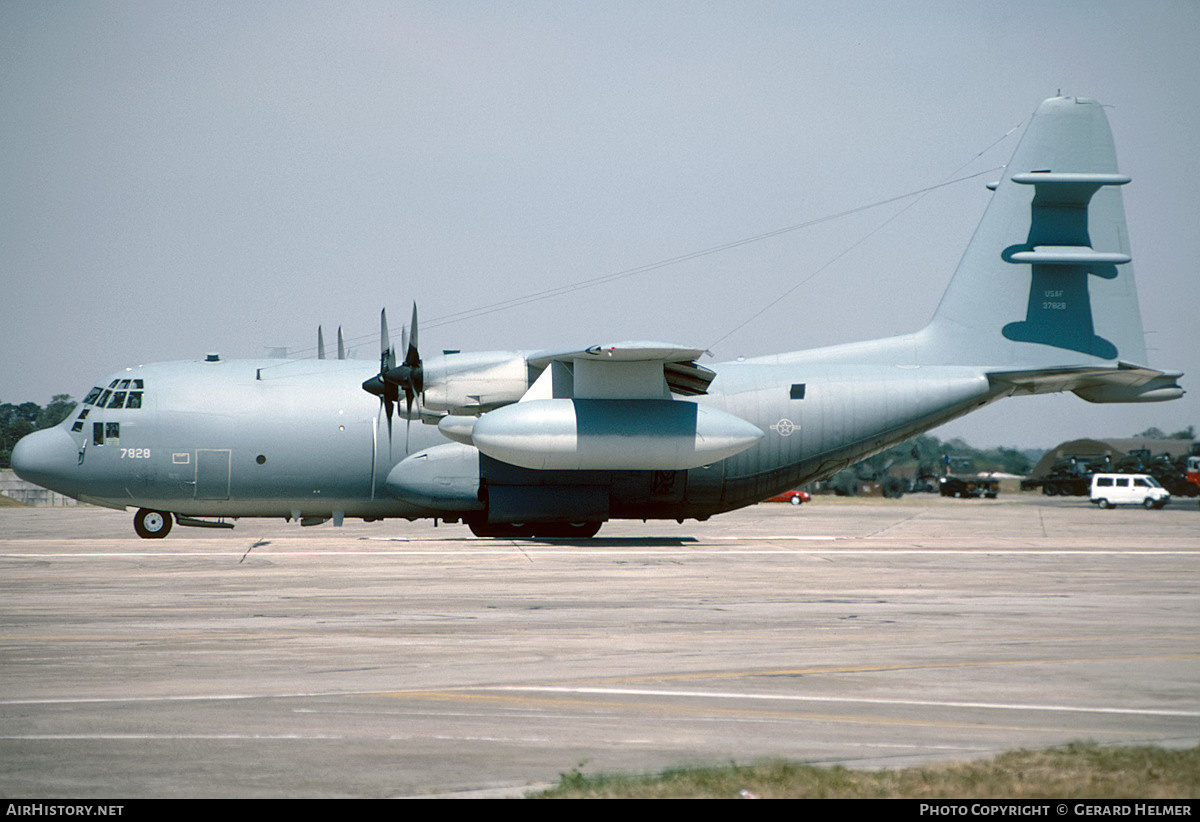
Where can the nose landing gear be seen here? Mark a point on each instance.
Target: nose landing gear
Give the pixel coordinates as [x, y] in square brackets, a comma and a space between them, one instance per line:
[151, 524]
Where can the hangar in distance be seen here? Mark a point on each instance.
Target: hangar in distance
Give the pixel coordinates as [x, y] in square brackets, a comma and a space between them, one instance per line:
[554, 443]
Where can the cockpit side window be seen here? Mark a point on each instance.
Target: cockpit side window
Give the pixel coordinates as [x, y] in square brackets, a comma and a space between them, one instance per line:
[92, 396]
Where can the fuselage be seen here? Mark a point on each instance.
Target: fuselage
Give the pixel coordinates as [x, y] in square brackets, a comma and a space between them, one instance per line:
[301, 439]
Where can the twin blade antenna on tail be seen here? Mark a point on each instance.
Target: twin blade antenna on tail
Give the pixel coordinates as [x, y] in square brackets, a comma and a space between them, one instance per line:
[409, 375]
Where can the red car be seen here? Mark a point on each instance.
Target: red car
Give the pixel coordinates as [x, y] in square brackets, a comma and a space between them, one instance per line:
[794, 497]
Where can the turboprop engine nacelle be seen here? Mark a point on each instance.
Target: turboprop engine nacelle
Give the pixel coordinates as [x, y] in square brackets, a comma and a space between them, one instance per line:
[474, 383]
[611, 435]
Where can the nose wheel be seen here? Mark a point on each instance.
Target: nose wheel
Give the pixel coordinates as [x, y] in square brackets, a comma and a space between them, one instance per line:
[152, 524]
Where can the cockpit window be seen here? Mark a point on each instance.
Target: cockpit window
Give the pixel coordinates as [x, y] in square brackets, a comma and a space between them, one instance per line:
[119, 398]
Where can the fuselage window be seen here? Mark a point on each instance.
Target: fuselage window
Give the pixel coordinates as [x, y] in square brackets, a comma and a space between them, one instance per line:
[112, 433]
[135, 399]
[797, 392]
[83, 414]
[118, 400]
[78, 426]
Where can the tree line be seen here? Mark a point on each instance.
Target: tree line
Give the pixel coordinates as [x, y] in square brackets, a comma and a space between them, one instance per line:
[18, 420]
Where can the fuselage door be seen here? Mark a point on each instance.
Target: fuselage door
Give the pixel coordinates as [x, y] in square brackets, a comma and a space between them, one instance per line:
[212, 473]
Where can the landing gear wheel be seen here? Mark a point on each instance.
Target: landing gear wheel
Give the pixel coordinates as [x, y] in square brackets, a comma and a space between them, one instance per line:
[511, 530]
[567, 530]
[152, 524]
[522, 530]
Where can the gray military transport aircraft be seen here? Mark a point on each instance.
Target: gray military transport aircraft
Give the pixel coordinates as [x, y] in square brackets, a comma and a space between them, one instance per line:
[554, 443]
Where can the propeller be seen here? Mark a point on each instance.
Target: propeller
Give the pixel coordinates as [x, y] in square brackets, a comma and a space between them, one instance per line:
[409, 375]
[387, 392]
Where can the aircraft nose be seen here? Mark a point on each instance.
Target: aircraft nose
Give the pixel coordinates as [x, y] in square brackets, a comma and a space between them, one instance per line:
[45, 458]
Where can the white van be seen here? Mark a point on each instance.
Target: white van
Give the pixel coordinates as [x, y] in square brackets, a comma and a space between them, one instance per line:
[1109, 490]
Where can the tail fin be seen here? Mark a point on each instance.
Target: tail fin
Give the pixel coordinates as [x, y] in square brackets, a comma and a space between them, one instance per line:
[1046, 281]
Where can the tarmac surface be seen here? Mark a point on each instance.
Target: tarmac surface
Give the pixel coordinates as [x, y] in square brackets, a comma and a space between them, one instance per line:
[400, 659]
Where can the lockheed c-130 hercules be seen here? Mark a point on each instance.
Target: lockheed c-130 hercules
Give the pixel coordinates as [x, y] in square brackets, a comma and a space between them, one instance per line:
[554, 443]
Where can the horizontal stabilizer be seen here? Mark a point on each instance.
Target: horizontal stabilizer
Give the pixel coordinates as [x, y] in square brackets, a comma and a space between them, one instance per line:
[1101, 384]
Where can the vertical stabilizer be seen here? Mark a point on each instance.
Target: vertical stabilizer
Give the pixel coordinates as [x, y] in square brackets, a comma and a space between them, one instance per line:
[1047, 281]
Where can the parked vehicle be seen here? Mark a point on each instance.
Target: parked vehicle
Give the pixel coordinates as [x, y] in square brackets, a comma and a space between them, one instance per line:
[1069, 476]
[1110, 490]
[969, 487]
[794, 497]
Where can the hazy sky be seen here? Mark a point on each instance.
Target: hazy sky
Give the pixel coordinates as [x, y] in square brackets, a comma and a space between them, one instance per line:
[184, 177]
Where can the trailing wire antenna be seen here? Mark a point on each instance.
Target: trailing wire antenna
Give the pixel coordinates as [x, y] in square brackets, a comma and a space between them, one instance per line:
[593, 282]
[920, 194]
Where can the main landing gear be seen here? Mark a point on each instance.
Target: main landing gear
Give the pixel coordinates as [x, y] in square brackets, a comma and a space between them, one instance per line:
[539, 530]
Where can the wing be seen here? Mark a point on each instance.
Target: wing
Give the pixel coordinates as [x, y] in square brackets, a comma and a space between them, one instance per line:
[626, 370]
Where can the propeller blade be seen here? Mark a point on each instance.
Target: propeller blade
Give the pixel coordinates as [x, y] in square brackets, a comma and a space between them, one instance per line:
[320, 343]
[411, 357]
[341, 345]
[387, 355]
